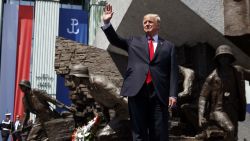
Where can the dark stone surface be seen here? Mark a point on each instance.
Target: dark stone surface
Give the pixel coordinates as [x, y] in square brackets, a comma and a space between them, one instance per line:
[243, 133]
[60, 129]
[98, 61]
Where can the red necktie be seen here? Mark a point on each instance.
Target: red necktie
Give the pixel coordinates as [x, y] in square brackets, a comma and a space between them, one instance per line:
[151, 55]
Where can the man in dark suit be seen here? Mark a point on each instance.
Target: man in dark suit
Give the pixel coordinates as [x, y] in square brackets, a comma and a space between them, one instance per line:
[150, 82]
[16, 135]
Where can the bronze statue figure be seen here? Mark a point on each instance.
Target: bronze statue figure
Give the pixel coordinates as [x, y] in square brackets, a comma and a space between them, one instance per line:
[82, 102]
[188, 78]
[98, 88]
[36, 101]
[222, 100]
[187, 99]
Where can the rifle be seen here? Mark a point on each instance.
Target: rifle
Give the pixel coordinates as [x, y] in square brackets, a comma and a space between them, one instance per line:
[62, 105]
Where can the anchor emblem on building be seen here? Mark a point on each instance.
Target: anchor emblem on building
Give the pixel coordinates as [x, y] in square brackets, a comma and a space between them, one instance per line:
[74, 23]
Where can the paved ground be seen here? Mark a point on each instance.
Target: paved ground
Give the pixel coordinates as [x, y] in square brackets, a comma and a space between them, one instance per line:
[244, 129]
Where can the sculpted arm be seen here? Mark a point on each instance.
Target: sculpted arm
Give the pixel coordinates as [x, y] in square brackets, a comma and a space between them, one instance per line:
[188, 80]
[105, 89]
[26, 114]
[43, 95]
[205, 93]
[107, 94]
[244, 71]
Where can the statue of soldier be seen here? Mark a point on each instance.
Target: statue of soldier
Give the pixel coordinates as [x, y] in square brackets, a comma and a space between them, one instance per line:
[222, 100]
[103, 92]
[186, 76]
[187, 99]
[36, 101]
[84, 104]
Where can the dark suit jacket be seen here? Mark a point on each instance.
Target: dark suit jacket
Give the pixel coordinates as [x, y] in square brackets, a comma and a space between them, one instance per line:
[163, 67]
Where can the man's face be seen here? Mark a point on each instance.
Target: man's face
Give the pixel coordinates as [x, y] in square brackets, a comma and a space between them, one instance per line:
[150, 25]
[7, 117]
[224, 60]
[67, 81]
[24, 89]
[73, 82]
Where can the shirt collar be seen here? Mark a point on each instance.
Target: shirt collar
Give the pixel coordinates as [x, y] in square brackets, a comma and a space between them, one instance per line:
[155, 37]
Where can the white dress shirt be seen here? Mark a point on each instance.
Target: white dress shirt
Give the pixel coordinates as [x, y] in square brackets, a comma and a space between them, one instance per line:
[155, 41]
[17, 123]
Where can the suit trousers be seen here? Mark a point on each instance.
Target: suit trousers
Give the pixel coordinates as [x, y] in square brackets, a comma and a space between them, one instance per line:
[148, 115]
[5, 135]
[17, 136]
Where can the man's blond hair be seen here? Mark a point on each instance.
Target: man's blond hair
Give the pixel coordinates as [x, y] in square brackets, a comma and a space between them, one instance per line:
[155, 16]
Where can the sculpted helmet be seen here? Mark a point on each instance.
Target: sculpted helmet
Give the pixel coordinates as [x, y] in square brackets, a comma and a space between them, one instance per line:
[223, 50]
[25, 83]
[79, 70]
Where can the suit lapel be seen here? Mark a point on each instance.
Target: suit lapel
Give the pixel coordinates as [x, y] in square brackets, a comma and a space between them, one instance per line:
[145, 47]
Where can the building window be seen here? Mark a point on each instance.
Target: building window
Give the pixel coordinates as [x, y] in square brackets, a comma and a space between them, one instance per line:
[73, 2]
